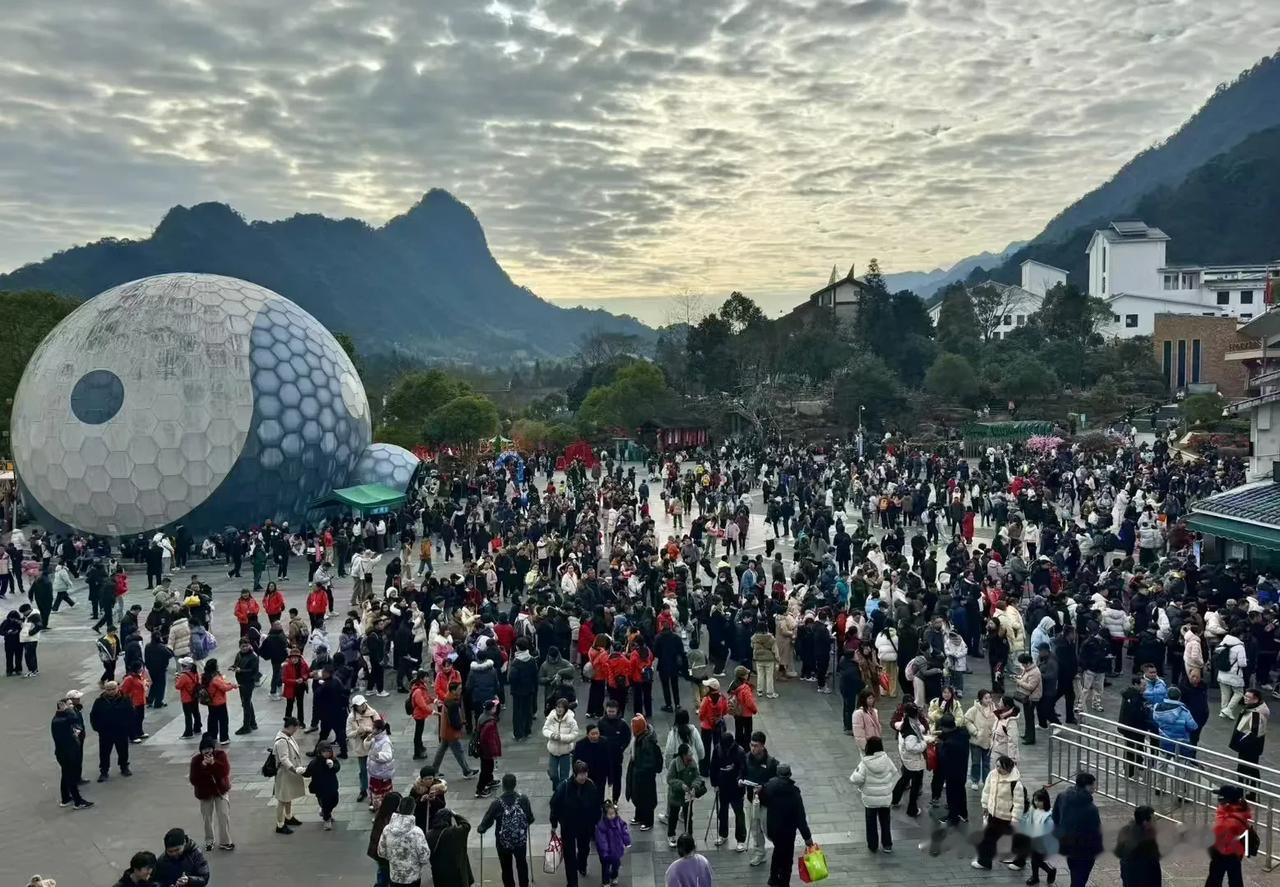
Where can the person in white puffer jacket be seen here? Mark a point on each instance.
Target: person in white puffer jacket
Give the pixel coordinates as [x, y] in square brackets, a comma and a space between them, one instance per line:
[887, 651]
[560, 729]
[876, 775]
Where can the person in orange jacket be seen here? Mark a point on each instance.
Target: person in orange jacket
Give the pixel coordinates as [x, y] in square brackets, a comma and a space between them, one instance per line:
[317, 606]
[1231, 823]
[446, 676]
[134, 688]
[742, 705]
[213, 691]
[643, 669]
[247, 610]
[421, 701]
[598, 656]
[711, 714]
[187, 684]
[273, 603]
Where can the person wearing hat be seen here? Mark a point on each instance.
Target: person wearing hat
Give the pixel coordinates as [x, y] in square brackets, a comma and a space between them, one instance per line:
[642, 772]
[1232, 824]
[112, 719]
[68, 750]
[210, 776]
[182, 864]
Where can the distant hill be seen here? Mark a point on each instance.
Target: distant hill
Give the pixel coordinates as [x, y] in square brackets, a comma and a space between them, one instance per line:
[925, 283]
[424, 283]
[1224, 212]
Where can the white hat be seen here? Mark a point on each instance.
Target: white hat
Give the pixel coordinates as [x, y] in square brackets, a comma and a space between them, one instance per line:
[74, 695]
[711, 684]
[357, 699]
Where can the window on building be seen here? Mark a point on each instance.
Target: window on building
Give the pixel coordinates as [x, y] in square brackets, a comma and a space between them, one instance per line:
[1195, 361]
[1020, 320]
[1008, 320]
[996, 334]
[1131, 321]
[1104, 259]
[1189, 280]
[1246, 317]
[1246, 297]
[1166, 360]
[1224, 297]
[1115, 318]
[1171, 281]
[1182, 363]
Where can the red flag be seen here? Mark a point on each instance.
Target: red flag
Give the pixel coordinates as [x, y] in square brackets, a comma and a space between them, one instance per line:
[1268, 293]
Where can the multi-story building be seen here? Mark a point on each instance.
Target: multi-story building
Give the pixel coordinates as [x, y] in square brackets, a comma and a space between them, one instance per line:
[841, 296]
[1039, 278]
[1127, 268]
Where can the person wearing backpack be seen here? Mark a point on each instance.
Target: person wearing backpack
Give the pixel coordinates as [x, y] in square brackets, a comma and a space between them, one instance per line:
[512, 814]
[1230, 661]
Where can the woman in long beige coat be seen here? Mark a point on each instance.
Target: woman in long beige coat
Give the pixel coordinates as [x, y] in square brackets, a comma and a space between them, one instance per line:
[289, 769]
[787, 644]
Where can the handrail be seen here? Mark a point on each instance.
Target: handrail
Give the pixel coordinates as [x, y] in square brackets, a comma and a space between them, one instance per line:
[1156, 737]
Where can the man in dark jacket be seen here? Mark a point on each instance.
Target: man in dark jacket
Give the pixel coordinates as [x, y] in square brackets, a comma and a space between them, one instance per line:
[1135, 715]
[181, 861]
[112, 718]
[68, 736]
[1078, 828]
[523, 679]
[247, 672]
[785, 807]
[668, 651]
[575, 810]
[1064, 649]
[851, 684]
[593, 751]
[156, 656]
[513, 854]
[616, 734]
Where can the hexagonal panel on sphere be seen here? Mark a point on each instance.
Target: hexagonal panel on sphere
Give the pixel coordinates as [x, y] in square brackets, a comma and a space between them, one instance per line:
[385, 464]
[158, 403]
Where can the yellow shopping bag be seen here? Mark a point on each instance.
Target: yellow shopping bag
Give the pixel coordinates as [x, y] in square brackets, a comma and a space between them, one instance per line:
[813, 865]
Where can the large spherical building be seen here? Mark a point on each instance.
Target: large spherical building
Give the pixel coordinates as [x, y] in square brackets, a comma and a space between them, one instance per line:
[386, 464]
[185, 399]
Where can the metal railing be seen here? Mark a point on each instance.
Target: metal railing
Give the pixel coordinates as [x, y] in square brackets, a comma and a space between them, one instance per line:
[1132, 768]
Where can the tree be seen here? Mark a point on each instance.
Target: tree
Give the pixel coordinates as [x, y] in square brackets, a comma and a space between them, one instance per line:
[463, 423]
[28, 317]
[1027, 379]
[637, 394]
[1068, 313]
[686, 309]
[600, 347]
[868, 383]
[708, 345]
[992, 303]
[958, 330]
[873, 279]
[951, 377]
[414, 397]
[1104, 400]
[349, 345]
[741, 313]
[1202, 409]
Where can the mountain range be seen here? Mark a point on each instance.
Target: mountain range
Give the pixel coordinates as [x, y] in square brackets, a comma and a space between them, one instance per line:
[425, 283]
[925, 283]
[1212, 186]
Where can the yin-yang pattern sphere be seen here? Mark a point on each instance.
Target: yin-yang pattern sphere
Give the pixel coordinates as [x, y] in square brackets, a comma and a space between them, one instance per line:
[386, 464]
[190, 399]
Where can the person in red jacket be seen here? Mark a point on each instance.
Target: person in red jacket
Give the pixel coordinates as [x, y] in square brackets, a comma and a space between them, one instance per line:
[586, 640]
[317, 606]
[742, 705]
[1231, 824]
[505, 633]
[489, 739]
[598, 657]
[446, 677]
[421, 701]
[134, 688]
[711, 718]
[273, 603]
[210, 776]
[187, 684]
[297, 676]
[247, 610]
[642, 672]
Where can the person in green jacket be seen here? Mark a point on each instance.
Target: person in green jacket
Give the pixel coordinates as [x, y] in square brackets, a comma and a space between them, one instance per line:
[684, 784]
[259, 561]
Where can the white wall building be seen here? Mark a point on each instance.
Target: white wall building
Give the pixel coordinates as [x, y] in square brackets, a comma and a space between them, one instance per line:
[1016, 305]
[1127, 268]
[1039, 278]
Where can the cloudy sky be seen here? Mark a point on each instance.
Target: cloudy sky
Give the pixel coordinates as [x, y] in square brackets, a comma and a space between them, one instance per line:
[609, 147]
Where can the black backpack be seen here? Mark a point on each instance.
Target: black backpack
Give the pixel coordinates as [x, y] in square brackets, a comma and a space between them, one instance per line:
[513, 827]
[1222, 658]
[270, 767]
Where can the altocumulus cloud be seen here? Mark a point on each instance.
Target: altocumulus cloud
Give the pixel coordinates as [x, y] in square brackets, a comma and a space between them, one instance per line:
[610, 147]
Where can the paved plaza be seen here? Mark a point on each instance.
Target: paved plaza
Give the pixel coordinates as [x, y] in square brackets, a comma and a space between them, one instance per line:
[92, 847]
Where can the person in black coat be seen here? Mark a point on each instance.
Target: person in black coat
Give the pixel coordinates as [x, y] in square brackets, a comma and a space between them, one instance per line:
[784, 805]
[1139, 851]
[182, 862]
[68, 750]
[1064, 650]
[575, 810]
[953, 763]
[112, 718]
[851, 684]
[322, 770]
[156, 656]
[616, 734]
[1078, 827]
[523, 681]
[593, 751]
[668, 652]
[728, 768]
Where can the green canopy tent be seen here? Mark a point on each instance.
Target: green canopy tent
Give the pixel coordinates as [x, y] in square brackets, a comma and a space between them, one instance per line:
[365, 499]
[980, 435]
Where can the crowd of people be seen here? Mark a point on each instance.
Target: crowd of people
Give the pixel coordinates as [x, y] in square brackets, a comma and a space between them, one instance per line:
[504, 599]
